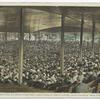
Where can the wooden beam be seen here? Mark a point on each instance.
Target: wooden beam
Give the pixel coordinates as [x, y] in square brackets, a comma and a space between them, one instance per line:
[81, 35]
[93, 33]
[62, 44]
[21, 40]
[29, 36]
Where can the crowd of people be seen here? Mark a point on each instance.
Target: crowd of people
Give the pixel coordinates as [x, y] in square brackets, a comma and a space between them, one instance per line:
[42, 69]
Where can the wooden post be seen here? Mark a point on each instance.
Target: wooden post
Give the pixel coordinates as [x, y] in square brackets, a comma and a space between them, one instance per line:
[30, 31]
[75, 35]
[5, 33]
[29, 36]
[99, 49]
[5, 37]
[62, 44]
[93, 32]
[21, 39]
[81, 35]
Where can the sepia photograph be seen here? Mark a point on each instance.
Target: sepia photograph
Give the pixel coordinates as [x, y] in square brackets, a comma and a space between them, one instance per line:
[49, 49]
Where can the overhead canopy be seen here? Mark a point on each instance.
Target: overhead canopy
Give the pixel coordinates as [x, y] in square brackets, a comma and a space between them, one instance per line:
[48, 18]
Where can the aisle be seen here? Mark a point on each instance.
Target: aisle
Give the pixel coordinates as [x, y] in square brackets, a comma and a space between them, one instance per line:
[16, 88]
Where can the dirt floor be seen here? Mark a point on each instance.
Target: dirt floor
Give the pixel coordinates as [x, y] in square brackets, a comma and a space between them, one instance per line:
[22, 88]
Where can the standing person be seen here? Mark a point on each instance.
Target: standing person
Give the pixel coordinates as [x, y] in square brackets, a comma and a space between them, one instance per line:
[83, 88]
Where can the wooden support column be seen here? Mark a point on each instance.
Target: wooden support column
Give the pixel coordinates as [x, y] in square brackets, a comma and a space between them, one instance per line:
[21, 39]
[5, 37]
[81, 35]
[99, 50]
[5, 40]
[29, 36]
[30, 29]
[5, 34]
[62, 44]
[93, 32]
[75, 36]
